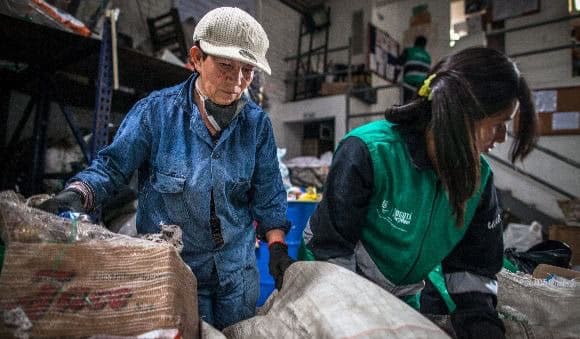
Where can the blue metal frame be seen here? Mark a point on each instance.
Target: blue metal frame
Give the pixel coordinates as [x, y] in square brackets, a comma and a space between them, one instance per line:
[76, 132]
[104, 94]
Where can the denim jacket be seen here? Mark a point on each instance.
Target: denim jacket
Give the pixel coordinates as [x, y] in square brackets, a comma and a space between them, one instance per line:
[164, 137]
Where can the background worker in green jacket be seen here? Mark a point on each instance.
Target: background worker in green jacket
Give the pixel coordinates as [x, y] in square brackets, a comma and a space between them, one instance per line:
[415, 62]
[408, 193]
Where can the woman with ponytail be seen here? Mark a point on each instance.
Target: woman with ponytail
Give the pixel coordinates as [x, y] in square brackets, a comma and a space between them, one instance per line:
[413, 191]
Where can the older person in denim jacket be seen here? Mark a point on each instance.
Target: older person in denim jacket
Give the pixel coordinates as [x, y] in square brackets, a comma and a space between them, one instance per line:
[207, 162]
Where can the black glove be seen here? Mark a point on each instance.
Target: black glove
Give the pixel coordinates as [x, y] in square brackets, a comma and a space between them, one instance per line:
[476, 317]
[67, 200]
[279, 262]
[476, 325]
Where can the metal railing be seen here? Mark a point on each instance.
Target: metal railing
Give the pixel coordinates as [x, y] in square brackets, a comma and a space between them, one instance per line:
[531, 176]
[553, 154]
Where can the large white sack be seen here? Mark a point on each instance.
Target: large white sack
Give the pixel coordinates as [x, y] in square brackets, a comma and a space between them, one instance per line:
[545, 309]
[322, 300]
[209, 332]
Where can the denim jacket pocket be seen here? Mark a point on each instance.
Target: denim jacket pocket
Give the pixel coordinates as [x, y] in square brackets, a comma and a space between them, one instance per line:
[171, 190]
[240, 199]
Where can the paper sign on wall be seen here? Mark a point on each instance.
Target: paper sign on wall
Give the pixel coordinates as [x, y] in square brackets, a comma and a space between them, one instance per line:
[383, 50]
[546, 101]
[565, 120]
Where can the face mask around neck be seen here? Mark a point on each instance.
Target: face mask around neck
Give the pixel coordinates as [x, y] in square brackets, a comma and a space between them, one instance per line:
[220, 116]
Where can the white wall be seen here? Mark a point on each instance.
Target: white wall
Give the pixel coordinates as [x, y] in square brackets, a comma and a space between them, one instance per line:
[544, 70]
[341, 26]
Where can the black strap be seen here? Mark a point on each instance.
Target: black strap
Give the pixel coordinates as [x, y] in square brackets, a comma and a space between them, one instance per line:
[215, 225]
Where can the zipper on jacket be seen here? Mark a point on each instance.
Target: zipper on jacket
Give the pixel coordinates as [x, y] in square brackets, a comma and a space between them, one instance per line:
[437, 185]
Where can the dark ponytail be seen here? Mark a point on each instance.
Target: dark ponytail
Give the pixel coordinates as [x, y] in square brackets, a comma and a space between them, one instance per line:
[453, 107]
[468, 86]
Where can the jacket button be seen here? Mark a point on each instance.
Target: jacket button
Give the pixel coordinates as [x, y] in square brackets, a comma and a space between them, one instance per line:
[215, 156]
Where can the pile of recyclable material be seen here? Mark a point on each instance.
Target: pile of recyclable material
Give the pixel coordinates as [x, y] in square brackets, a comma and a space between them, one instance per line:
[68, 278]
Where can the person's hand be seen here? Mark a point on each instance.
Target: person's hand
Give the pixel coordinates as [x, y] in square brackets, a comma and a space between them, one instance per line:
[67, 200]
[279, 262]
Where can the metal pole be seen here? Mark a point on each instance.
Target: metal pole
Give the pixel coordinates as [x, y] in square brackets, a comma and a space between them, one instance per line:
[114, 16]
[20, 127]
[330, 50]
[104, 95]
[76, 133]
[376, 88]
[298, 60]
[327, 28]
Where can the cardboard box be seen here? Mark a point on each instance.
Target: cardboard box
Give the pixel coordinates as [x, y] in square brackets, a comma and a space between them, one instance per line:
[544, 270]
[568, 99]
[571, 236]
[333, 88]
[65, 279]
[116, 288]
[571, 210]
[428, 30]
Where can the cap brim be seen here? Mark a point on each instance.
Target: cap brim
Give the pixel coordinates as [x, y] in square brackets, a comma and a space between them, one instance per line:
[236, 53]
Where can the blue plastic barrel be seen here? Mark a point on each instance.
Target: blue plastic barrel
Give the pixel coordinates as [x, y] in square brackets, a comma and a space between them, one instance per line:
[298, 213]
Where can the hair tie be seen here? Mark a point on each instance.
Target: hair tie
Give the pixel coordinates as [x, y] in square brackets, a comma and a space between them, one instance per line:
[425, 90]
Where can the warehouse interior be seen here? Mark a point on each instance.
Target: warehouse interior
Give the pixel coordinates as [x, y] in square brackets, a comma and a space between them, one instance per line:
[71, 71]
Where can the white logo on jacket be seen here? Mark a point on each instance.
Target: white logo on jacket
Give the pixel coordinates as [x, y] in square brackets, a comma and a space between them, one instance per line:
[396, 218]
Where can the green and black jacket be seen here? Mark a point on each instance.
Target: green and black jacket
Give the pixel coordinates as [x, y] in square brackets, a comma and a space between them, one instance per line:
[386, 216]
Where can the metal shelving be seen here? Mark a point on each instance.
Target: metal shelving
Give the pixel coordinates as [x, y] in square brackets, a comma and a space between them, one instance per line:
[73, 71]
